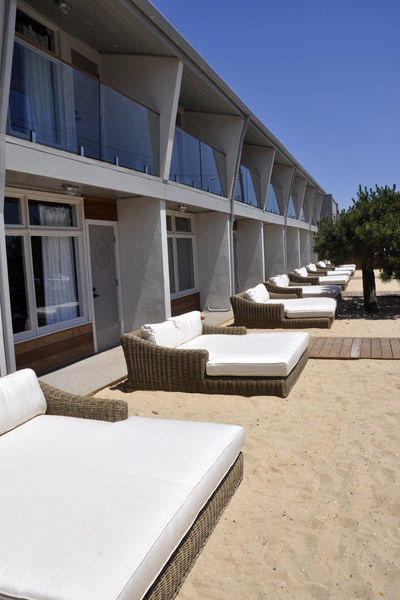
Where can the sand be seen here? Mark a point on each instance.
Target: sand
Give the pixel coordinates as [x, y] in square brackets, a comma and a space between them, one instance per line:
[317, 515]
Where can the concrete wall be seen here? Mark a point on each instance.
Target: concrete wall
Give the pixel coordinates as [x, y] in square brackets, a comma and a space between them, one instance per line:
[143, 261]
[292, 248]
[274, 249]
[250, 248]
[213, 259]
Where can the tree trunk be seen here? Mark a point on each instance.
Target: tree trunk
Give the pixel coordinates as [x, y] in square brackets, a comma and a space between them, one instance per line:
[370, 301]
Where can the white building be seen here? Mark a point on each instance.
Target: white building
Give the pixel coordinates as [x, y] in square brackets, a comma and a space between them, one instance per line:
[134, 183]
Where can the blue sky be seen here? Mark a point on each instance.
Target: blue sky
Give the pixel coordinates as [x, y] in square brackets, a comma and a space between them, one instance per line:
[323, 76]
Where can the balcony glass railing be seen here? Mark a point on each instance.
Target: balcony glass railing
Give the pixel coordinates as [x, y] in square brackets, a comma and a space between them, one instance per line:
[272, 201]
[196, 164]
[245, 191]
[291, 209]
[55, 104]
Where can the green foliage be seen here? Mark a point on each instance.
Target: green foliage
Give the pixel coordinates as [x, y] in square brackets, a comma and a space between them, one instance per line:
[369, 230]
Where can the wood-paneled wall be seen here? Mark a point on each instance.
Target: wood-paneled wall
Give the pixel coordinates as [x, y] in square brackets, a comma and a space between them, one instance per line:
[185, 304]
[55, 350]
[103, 209]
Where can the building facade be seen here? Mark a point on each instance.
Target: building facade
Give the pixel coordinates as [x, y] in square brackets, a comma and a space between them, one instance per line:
[134, 183]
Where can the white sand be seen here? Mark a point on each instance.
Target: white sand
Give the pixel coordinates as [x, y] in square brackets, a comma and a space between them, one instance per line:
[317, 515]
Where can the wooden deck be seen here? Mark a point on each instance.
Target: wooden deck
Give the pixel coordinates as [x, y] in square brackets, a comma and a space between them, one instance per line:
[350, 348]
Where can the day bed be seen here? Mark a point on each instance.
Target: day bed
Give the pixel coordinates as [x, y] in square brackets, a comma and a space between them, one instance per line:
[183, 354]
[314, 269]
[326, 264]
[281, 284]
[302, 277]
[97, 510]
[255, 308]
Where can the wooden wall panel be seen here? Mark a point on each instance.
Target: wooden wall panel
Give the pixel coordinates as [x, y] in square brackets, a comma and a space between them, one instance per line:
[185, 304]
[103, 209]
[50, 352]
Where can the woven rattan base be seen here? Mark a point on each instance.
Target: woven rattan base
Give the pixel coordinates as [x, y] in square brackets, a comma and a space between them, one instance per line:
[171, 578]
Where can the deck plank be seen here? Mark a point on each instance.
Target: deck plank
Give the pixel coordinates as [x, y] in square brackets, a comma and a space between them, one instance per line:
[365, 348]
[346, 347]
[376, 348]
[355, 351]
[336, 347]
[395, 343]
[386, 348]
[316, 348]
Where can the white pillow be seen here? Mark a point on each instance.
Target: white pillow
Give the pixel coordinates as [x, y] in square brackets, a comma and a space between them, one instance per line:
[21, 399]
[312, 267]
[188, 326]
[161, 334]
[281, 280]
[302, 272]
[257, 294]
[322, 264]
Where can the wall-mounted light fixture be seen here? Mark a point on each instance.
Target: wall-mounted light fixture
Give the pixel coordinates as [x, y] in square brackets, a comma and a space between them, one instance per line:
[70, 189]
[182, 207]
[64, 6]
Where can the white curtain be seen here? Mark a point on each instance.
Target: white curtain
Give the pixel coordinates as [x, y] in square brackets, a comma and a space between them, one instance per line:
[59, 278]
[41, 81]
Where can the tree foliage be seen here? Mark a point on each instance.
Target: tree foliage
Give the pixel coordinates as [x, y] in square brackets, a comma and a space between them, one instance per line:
[369, 230]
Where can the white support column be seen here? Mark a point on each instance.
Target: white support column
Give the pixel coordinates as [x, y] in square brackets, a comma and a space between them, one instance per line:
[292, 248]
[155, 81]
[250, 248]
[308, 203]
[222, 132]
[7, 23]
[274, 249]
[318, 205]
[143, 261]
[305, 247]
[213, 259]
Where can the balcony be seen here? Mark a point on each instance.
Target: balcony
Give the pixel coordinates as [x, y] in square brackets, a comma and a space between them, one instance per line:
[55, 104]
[196, 164]
[245, 187]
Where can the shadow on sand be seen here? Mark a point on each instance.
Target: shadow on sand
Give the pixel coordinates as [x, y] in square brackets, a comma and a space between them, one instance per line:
[353, 308]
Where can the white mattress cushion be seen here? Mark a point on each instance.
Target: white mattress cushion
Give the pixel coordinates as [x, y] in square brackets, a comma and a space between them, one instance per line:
[280, 280]
[188, 325]
[339, 272]
[93, 510]
[307, 307]
[302, 272]
[21, 399]
[351, 266]
[333, 279]
[322, 264]
[312, 267]
[259, 293]
[161, 334]
[324, 291]
[251, 355]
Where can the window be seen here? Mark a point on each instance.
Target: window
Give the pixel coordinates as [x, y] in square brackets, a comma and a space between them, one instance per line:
[181, 254]
[43, 243]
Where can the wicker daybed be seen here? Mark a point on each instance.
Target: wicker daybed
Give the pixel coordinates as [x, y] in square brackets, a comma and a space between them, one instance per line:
[31, 568]
[155, 367]
[313, 280]
[271, 315]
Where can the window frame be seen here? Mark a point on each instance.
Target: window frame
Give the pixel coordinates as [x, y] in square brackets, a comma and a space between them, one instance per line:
[174, 235]
[26, 231]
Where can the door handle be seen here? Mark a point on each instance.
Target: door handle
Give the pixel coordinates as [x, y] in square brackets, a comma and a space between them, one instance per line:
[94, 294]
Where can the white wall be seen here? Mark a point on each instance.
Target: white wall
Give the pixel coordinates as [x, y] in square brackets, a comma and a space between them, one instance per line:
[274, 246]
[292, 248]
[213, 259]
[143, 261]
[250, 246]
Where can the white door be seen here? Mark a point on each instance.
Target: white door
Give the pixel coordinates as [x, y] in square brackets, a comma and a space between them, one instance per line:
[104, 283]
